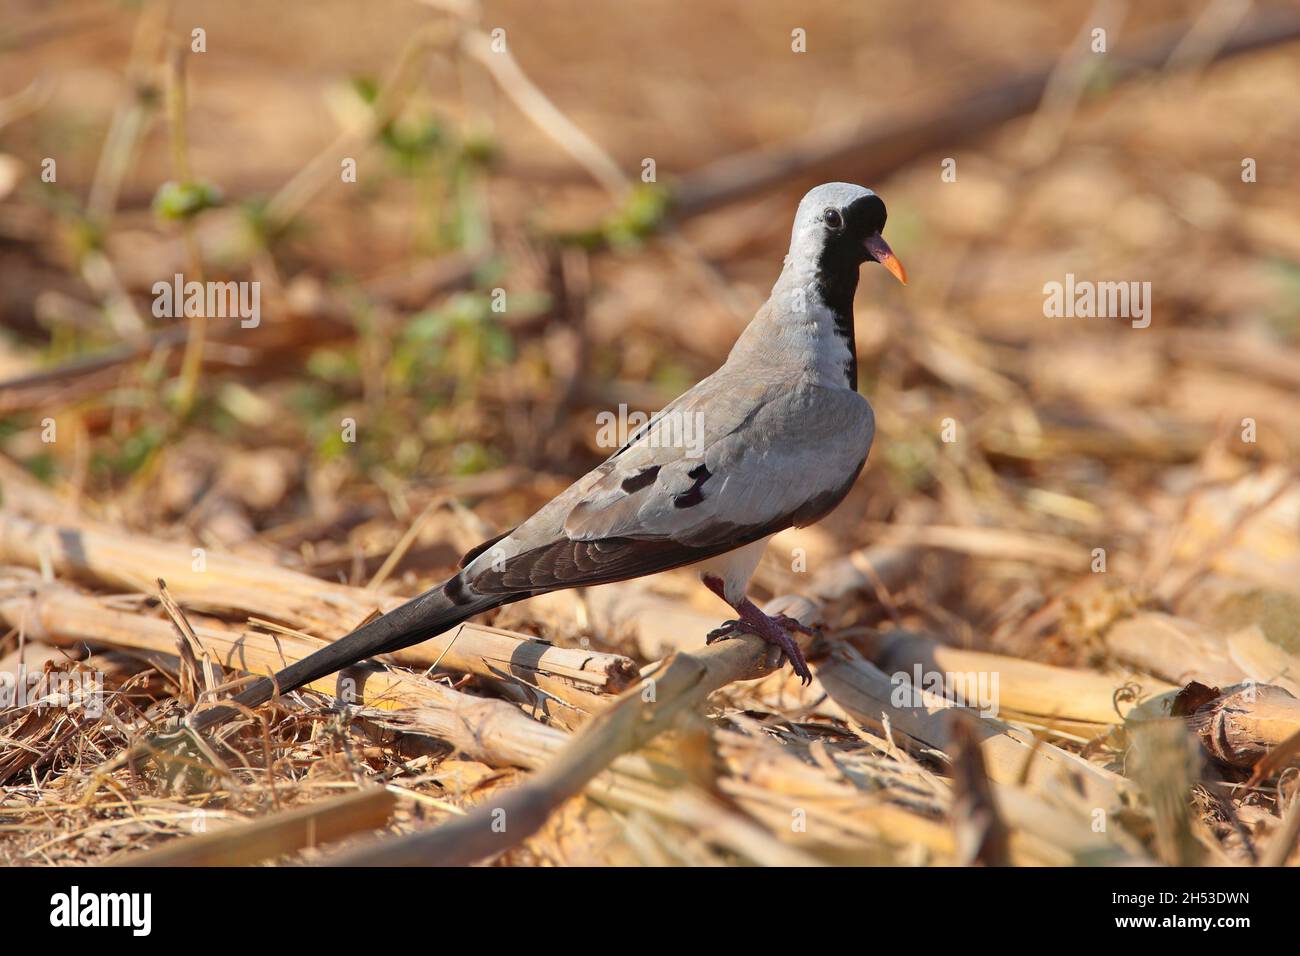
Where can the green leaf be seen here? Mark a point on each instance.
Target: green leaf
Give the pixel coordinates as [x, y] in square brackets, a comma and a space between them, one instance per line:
[175, 202]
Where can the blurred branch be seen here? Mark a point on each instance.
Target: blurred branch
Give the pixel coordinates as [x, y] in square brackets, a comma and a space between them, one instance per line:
[981, 835]
[871, 151]
[602, 167]
[534, 104]
[98, 272]
[1207, 34]
[26, 101]
[1285, 841]
[192, 362]
[130, 122]
[131, 118]
[1067, 84]
[89, 374]
[1165, 762]
[294, 196]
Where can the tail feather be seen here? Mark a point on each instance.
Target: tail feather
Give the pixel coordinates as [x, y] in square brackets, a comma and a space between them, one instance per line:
[419, 619]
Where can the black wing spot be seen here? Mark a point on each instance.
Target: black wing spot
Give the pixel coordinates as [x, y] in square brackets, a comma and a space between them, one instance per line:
[689, 499]
[644, 479]
[693, 495]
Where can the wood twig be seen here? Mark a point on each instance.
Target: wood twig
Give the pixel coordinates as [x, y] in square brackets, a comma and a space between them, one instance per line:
[323, 821]
[1011, 756]
[233, 584]
[1024, 687]
[679, 685]
[57, 615]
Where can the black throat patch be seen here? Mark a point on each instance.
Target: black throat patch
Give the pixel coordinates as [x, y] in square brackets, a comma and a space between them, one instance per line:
[837, 282]
[837, 270]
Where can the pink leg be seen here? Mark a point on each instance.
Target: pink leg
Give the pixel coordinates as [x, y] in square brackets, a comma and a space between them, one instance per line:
[774, 630]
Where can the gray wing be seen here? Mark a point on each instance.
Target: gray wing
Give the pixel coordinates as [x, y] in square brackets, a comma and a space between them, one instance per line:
[731, 461]
[786, 458]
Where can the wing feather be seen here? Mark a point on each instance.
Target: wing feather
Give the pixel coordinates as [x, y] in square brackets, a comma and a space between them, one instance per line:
[767, 457]
[797, 447]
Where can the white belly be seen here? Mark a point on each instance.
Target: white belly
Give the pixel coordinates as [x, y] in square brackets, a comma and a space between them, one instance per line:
[735, 568]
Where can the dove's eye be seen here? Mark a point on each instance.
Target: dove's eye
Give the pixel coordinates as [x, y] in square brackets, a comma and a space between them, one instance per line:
[833, 218]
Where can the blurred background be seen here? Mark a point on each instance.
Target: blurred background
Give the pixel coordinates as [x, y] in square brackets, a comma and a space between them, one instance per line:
[376, 294]
[626, 174]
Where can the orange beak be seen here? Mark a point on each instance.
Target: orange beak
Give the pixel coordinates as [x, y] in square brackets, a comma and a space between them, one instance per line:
[880, 251]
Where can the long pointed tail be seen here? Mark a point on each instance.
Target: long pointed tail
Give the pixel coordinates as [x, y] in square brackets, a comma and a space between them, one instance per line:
[419, 619]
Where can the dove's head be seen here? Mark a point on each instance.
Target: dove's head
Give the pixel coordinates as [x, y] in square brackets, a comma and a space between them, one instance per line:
[837, 228]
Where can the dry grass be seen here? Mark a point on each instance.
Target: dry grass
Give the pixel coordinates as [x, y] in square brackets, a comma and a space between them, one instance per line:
[1146, 712]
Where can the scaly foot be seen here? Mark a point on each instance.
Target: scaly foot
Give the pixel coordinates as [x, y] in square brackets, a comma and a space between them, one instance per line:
[774, 630]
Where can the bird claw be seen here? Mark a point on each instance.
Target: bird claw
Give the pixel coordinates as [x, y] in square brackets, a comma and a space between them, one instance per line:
[792, 653]
[794, 624]
[730, 629]
[774, 630]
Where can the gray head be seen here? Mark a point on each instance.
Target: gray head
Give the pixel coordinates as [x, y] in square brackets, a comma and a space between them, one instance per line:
[837, 228]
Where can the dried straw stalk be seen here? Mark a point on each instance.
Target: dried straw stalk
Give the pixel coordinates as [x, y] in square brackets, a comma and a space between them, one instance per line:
[490, 729]
[681, 683]
[232, 584]
[868, 695]
[1024, 687]
[275, 835]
